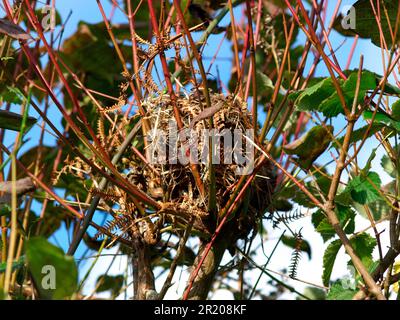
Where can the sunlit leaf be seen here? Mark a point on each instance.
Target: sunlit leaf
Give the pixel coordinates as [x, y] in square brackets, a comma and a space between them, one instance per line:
[44, 258]
[340, 292]
[329, 260]
[310, 146]
[365, 21]
[364, 189]
[364, 244]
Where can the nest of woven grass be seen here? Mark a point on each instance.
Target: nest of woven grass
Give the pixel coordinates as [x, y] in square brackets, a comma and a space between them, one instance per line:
[173, 183]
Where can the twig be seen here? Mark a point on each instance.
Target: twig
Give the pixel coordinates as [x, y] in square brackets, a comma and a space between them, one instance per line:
[174, 264]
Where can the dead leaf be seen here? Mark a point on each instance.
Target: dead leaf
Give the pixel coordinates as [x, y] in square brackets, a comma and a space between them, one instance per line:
[22, 186]
[13, 30]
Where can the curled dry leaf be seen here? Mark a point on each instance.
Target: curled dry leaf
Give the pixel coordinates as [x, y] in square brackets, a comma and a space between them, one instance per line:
[310, 145]
[23, 186]
[13, 121]
[14, 31]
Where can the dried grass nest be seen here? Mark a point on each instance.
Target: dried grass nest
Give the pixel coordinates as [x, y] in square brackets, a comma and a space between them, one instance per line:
[174, 184]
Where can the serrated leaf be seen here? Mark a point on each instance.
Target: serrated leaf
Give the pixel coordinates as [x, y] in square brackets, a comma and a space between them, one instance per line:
[382, 119]
[362, 190]
[329, 260]
[324, 228]
[378, 209]
[338, 292]
[396, 110]
[323, 96]
[331, 106]
[363, 244]
[312, 97]
[366, 25]
[388, 166]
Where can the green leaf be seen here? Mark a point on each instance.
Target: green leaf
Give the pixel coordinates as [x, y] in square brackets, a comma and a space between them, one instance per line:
[313, 294]
[41, 254]
[16, 265]
[388, 166]
[331, 106]
[382, 119]
[368, 165]
[292, 192]
[379, 209]
[280, 204]
[13, 121]
[5, 209]
[311, 98]
[110, 283]
[264, 83]
[396, 110]
[347, 218]
[338, 292]
[366, 25]
[12, 95]
[359, 134]
[329, 260]
[323, 97]
[363, 244]
[362, 190]
[324, 228]
[388, 88]
[343, 198]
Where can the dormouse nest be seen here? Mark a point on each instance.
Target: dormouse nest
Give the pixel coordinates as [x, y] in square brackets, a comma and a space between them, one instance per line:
[173, 184]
